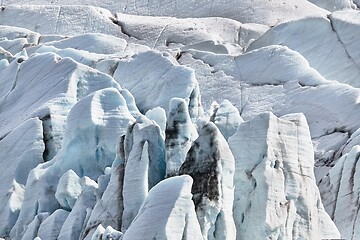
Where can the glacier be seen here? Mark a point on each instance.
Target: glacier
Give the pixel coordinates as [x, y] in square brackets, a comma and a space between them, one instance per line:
[179, 119]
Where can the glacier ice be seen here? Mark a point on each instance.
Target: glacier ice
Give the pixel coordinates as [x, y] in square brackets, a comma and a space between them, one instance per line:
[144, 156]
[227, 118]
[180, 132]
[153, 78]
[275, 189]
[74, 225]
[339, 189]
[80, 157]
[25, 144]
[315, 35]
[50, 227]
[95, 123]
[167, 213]
[211, 165]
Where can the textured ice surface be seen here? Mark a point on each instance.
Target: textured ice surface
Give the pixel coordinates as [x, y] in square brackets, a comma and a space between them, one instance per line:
[312, 38]
[340, 193]
[98, 170]
[167, 213]
[275, 190]
[25, 146]
[180, 133]
[144, 153]
[211, 164]
[153, 78]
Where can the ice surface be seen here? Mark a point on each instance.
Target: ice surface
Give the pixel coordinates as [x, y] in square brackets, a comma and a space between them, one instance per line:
[59, 104]
[227, 118]
[103, 234]
[153, 78]
[25, 146]
[211, 164]
[334, 5]
[12, 33]
[74, 225]
[340, 193]
[311, 37]
[92, 42]
[167, 213]
[94, 126]
[144, 155]
[50, 227]
[109, 207]
[62, 20]
[180, 134]
[275, 190]
[276, 79]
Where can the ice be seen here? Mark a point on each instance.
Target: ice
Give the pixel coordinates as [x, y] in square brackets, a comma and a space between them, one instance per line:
[97, 106]
[62, 20]
[25, 146]
[66, 82]
[33, 227]
[280, 80]
[96, 122]
[50, 227]
[227, 118]
[275, 190]
[259, 11]
[158, 115]
[144, 155]
[211, 165]
[340, 193]
[70, 187]
[167, 213]
[13, 46]
[12, 33]
[103, 234]
[109, 206]
[92, 42]
[311, 37]
[334, 5]
[74, 225]
[180, 134]
[153, 78]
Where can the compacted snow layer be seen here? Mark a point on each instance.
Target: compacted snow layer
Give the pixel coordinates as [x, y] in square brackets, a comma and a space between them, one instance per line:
[98, 107]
